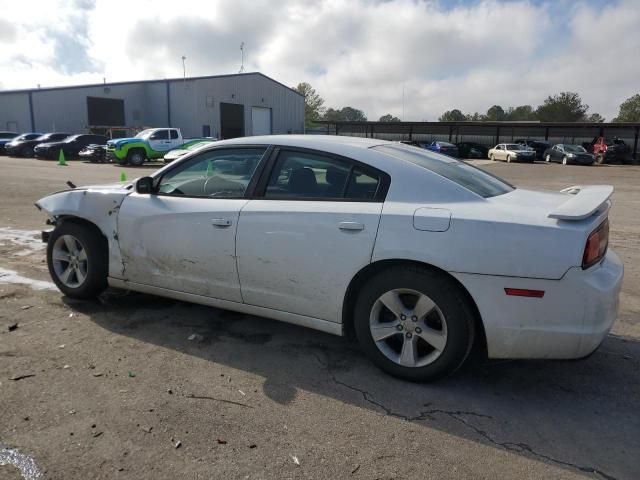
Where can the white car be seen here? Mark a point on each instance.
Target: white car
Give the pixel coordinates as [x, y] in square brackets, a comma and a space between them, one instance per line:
[512, 152]
[418, 254]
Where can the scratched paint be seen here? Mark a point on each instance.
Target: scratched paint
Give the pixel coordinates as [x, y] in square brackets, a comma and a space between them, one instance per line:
[24, 463]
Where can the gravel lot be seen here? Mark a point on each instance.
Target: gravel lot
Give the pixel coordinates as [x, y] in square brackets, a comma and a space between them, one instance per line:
[115, 389]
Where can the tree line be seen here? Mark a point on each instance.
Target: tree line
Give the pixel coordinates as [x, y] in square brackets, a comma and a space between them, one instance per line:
[562, 107]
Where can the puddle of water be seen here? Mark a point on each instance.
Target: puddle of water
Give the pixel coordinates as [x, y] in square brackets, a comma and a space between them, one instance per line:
[24, 463]
[30, 239]
[9, 276]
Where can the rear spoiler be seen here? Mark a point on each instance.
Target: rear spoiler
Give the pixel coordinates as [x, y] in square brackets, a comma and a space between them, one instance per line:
[584, 202]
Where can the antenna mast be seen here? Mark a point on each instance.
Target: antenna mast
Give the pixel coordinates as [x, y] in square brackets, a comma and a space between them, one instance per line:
[241, 58]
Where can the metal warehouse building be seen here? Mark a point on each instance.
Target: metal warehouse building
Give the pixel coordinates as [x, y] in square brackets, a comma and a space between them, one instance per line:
[222, 106]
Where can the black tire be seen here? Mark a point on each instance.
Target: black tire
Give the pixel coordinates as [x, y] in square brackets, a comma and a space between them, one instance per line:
[27, 152]
[97, 263]
[508, 158]
[450, 300]
[600, 159]
[136, 157]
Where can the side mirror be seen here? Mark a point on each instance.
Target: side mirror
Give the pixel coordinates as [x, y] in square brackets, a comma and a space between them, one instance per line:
[144, 185]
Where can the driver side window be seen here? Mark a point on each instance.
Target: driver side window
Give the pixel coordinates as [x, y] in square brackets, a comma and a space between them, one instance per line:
[215, 173]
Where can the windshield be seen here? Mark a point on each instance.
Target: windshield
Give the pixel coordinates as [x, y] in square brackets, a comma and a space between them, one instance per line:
[28, 136]
[472, 178]
[197, 145]
[44, 137]
[574, 149]
[71, 138]
[445, 144]
[144, 133]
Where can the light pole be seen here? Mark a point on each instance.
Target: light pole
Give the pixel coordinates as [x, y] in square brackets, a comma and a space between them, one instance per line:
[184, 69]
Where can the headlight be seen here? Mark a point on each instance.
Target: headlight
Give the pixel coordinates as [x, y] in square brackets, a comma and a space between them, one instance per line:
[571, 155]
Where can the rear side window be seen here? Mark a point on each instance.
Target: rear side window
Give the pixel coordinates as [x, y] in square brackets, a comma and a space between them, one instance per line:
[309, 175]
[174, 134]
[472, 178]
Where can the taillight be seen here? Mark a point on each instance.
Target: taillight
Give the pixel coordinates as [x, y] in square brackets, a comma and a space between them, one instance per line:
[596, 245]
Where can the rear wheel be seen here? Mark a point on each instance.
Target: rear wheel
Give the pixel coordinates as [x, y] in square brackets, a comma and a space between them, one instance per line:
[600, 159]
[136, 157]
[414, 323]
[77, 257]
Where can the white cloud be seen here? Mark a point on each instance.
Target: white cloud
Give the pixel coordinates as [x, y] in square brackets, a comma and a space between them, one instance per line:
[468, 55]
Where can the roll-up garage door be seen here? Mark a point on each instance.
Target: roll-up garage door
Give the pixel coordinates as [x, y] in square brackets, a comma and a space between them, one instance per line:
[260, 121]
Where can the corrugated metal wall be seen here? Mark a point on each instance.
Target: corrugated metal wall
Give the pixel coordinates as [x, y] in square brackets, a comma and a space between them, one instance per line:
[194, 103]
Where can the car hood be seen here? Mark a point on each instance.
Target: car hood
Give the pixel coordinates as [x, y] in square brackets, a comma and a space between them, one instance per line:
[118, 142]
[50, 144]
[86, 202]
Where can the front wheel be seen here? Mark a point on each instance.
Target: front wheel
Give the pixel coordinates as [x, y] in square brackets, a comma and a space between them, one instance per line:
[508, 158]
[77, 257]
[600, 159]
[492, 158]
[136, 157]
[414, 323]
[565, 161]
[547, 158]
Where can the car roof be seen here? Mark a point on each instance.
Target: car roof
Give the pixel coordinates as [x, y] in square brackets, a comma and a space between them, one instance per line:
[319, 142]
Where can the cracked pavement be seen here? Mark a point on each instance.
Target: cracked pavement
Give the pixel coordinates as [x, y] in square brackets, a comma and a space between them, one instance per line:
[117, 389]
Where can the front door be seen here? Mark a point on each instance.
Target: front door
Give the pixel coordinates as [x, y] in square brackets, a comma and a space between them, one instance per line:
[159, 141]
[300, 245]
[183, 237]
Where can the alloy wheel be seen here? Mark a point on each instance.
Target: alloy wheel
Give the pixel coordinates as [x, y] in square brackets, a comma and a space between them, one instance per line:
[408, 328]
[70, 261]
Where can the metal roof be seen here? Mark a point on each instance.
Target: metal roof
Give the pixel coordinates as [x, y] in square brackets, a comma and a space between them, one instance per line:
[132, 82]
[509, 124]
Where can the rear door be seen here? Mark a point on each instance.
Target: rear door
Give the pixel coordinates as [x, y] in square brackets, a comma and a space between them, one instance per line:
[310, 228]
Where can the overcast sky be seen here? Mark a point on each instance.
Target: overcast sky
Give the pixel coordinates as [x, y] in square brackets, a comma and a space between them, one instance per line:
[361, 53]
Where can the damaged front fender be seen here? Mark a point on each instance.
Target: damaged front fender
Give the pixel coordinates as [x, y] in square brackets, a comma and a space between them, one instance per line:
[98, 205]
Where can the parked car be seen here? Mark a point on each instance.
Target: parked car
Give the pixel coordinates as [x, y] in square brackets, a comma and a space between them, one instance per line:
[445, 148]
[540, 146]
[568, 154]
[15, 145]
[26, 146]
[6, 137]
[419, 254]
[71, 146]
[512, 152]
[94, 153]
[609, 150]
[147, 145]
[472, 150]
[186, 148]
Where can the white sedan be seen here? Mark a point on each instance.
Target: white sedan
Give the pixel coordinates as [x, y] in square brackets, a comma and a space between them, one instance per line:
[418, 254]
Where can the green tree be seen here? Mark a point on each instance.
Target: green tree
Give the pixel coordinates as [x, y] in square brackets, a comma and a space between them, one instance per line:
[520, 113]
[313, 104]
[595, 117]
[475, 117]
[563, 107]
[389, 118]
[345, 114]
[495, 114]
[454, 115]
[629, 110]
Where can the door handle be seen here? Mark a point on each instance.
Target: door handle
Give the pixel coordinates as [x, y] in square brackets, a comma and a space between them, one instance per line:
[351, 226]
[221, 222]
